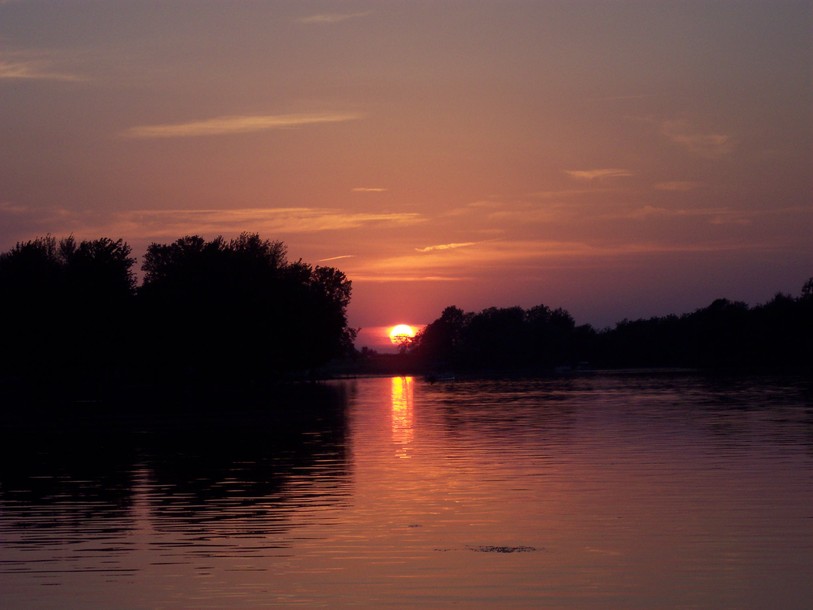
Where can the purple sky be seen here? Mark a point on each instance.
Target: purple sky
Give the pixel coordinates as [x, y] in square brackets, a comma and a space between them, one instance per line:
[615, 158]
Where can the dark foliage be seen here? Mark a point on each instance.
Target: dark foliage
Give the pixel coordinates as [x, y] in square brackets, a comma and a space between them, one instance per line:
[208, 312]
[239, 309]
[67, 308]
[726, 334]
[225, 314]
[502, 339]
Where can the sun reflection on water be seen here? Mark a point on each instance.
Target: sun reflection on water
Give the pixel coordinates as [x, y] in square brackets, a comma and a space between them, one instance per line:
[402, 415]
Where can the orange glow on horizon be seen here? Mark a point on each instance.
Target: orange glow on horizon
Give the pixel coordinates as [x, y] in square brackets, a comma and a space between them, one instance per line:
[581, 193]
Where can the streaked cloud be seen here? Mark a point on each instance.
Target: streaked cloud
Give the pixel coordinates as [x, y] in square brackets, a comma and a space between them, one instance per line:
[599, 174]
[175, 223]
[335, 258]
[328, 18]
[228, 125]
[34, 69]
[6, 207]
[369, 189]
[500, 214]
[479, 206]
[717, 216]
[569, 193]
[406, 277]
[263, 220]
[708, 145]
[611, 98]
[519, 255]
[451, 246]
[678, 185]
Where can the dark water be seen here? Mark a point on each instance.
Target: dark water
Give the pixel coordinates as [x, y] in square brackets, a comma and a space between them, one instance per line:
[605, 491]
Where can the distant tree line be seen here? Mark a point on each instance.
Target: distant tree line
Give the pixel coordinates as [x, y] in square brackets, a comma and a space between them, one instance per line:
[726, 334]
[206, 311]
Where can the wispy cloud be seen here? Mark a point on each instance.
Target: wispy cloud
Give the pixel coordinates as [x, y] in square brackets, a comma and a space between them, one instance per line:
[174, 223]
[451, 246]
[500, 214]
[6, 207]
[526, 256]
[406, 277]
[708, 145]
[598, 174]
[263, 220]
[335, 258]
[678, 185]
[369, 189]
[328, 18]
[34, 69]
[440, 266]
[716, 216]
[227, 125]
[569, 193]
[610, 98]
[479, 206]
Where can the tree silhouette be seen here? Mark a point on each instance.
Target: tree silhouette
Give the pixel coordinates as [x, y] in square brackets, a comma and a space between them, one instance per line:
[239, 309]
[807, 290]
[500, 339]
[441, 340]
[726, 334]
[66, 307]
[235, 313]
[210, 313]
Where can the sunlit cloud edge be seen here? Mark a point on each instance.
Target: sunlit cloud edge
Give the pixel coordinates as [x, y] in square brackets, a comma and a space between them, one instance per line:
[677, 185]
[335, 258]
[235, 124]
[530, 254]
[143, 224]
[375, 278]
[34, 70]
[449, 246]
[599, 173]
[708, 145]
[330, 18]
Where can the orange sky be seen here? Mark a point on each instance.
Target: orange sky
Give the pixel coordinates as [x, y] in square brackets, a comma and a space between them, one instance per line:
[617, 159]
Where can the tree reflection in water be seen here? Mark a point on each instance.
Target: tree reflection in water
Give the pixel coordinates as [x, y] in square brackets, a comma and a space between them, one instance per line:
[232, 469]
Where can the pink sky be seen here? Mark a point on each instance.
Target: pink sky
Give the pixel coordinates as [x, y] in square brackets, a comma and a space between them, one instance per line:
[615, 158]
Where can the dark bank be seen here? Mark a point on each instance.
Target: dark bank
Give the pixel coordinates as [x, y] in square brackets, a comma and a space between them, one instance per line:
[219, 317]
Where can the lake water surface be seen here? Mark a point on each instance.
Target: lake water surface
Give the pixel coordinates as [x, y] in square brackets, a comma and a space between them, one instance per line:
[596, 491]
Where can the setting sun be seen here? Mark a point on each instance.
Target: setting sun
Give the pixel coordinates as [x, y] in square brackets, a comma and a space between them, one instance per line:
[401, 333]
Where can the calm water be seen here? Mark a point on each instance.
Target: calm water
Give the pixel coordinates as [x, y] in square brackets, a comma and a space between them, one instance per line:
[605, 491]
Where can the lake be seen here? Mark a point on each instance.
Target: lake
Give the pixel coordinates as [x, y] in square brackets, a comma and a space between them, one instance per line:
[625, 490]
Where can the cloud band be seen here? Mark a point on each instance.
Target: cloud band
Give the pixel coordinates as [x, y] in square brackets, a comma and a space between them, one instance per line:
[227, 125]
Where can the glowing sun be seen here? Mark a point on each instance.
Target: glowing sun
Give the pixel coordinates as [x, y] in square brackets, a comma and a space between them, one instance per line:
[401, 334]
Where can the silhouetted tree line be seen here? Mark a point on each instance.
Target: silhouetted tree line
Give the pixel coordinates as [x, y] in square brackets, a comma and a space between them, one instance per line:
[726, 334]
[207, 311]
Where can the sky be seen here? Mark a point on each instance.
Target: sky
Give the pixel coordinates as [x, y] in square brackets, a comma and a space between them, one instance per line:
[619, 159]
